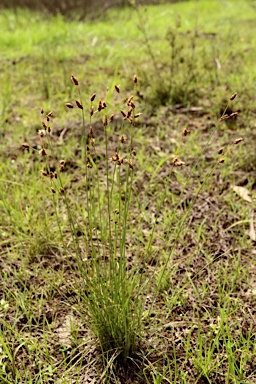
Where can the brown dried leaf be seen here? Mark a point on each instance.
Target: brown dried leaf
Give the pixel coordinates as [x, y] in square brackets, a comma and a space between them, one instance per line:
[243, 193]
[252, 233]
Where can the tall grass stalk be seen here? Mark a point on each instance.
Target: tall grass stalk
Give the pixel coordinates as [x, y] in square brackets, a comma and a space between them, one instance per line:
[108, 286]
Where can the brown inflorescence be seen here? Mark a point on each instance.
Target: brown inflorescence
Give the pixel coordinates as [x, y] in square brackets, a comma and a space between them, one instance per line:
[129, 112]
[100, 106]
[105, 121]
[129, 101]
[238, 140]
[93, 97]
[74, 80]
[43, 152]
[79, 105]
[233, 96]
[69, 105]
[177, 162]
[123, 113]
[122, 139]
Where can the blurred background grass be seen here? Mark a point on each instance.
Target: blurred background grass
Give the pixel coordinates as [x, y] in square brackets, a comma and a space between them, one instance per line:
[71, 7]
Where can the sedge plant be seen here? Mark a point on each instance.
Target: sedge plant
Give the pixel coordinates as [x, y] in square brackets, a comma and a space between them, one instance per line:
[109, 288]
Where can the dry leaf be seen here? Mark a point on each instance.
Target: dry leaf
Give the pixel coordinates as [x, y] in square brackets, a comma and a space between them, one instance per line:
[64, 330]
[243, 193]
[252, 233]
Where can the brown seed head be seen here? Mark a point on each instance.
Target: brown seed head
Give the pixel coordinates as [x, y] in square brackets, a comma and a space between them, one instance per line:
[41, 132]
[44, 125]
[62, 162]
[91, 111]
[133, 153]
[91, 131]
[93, 97]
[104, 104]
[92, 142]
[117, 88]
[112, 117]
[74, 80]
[129, 112]
[233, 96]
[44, 173]
[130, 164]
[120, 161]
[52, 176]
[224, 117]
[221, 160]
[62, 191]
[79, 105]
[185, 132]
[43, 152]
[48, 118]
[42, 111]
[100, 106]
[62, 168]
[105, 121]
[115, 157]
[49, 114]
[69, 105]
[49, 129]
[123, 113]
[132, 105]
[137, 115]
[129, 101]
[53, 190]
[135, 79]
[177, 162]
[26, 145]
[238, 140]
[220, 151]
[122, 139]
[234, 114]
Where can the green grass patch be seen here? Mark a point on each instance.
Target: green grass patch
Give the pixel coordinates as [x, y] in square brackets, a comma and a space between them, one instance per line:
[127, 221]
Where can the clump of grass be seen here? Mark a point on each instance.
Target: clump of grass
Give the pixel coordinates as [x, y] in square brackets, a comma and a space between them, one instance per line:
[110, 289]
